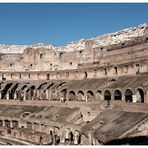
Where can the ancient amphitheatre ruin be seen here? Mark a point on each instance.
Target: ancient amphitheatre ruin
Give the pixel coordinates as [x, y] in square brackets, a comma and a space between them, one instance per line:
[89, 92]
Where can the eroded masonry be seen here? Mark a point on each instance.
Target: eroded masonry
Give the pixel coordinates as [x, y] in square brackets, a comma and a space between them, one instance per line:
[90, 92]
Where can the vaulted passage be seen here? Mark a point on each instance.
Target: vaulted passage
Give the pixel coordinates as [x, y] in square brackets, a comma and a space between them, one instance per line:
[71, 96]
[117, 95]
[140, 95]
[128, 95]
[107, 95]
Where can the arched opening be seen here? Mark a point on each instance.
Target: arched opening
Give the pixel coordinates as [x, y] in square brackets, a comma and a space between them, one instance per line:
[80, 96]
[14, 124]
[5, 90]
[32, 91]
[89, 96]
[68, 135]
[63, 94]
[117, 95]
[140, 95]
[107, 95]
[71, 96]
[98, 95]
[7, 123]
[128, 95]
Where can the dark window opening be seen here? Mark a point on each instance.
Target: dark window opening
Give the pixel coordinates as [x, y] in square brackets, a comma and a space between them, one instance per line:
[1, 56]
[81, 53]
[95, 72]
[31, 65]
[61, 55]
[126, 69]
[48, 76]
[11, 65]
[123, 44]
[115, 70]
[70, 63]
[146, 39]
[85, 76]
[137, 69]
[41, 56]
[50, 64]
[30, 76]
[21, 75]
[105, 71]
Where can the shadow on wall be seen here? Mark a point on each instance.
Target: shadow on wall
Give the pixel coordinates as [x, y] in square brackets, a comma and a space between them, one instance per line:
[139, 140]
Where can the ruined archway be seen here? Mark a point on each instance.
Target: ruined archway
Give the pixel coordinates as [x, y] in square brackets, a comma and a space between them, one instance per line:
[98, 95]
[140, 95]
[63, 94]
[117, 95]
[107, 95]
[80, 96]
[32, 91]
[89, 96]
[128, 95]
[71, 96]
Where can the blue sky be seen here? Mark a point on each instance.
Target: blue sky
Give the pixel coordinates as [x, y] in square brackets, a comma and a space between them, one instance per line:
[59, 24]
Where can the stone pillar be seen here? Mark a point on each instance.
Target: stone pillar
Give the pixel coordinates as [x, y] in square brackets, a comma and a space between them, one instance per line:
[24, 98]
[15, 95]
[11, 125]
[33, 126]
[3, 123]
[7, 96]
[50, 94]
[47, 97]
[40, 127]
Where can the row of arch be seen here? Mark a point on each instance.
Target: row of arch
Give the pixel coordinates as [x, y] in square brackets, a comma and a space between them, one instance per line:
[128, 95]
[53, 91]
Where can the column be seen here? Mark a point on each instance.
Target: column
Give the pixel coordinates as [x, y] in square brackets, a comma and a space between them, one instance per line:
[24, 98]
[3, 123]
[15, 96]
[11, 125]
[7, 96]
[47, 97]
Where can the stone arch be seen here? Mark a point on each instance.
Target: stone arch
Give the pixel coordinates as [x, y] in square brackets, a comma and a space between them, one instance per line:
[71, 96]
[98, 95]
[117, 95]
[128, 95]
[32, 89]
[14, 124]
[7, 123]
[107, 95]
[89, 95]
[68, 135]
[140, 95]
[63, 93]
[5, 90]
[80, 95]
[76, 137]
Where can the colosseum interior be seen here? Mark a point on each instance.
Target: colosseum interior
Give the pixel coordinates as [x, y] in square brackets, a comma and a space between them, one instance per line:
[89, 92]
